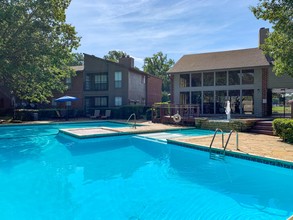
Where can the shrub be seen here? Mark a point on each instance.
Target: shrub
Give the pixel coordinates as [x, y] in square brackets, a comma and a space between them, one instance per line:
[284, 129]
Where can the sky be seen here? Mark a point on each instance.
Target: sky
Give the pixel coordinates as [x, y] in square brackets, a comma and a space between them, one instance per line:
[141, 28]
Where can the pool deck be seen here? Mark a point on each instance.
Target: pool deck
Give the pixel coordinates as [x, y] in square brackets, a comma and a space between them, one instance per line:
[249, 144]
[147, 127]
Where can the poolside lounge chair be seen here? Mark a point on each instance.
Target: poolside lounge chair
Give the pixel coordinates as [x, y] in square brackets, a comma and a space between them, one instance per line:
[96, 114]
[60, 114]
[107, 114]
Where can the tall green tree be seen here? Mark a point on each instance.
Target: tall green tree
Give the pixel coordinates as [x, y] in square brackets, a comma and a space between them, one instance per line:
[35, 47]
[77, 59]
[279, 44]
[115, 55]
[158, 65]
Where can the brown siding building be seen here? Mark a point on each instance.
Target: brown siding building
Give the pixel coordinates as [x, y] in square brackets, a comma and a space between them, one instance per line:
[102, 84]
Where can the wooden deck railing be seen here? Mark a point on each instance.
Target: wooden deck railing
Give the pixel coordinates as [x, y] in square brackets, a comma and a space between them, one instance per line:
[164, 112]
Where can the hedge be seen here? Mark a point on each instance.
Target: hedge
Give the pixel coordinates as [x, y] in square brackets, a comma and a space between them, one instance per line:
[283, 127]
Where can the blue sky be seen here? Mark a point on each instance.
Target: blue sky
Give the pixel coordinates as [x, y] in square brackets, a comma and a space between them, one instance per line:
[142, 28]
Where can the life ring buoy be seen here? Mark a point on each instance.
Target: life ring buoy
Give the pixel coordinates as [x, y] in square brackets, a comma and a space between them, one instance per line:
[177, 118]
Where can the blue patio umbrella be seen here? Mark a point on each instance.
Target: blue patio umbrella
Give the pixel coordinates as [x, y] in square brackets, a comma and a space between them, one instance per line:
[66, 99]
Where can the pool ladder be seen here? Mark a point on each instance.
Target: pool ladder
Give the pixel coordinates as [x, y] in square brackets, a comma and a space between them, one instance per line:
[134, 118]
[217, 154]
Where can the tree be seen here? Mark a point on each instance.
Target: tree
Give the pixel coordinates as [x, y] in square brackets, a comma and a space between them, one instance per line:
[279, 44]
[158, 65]
[115, 55]
[35, 47]
[77, 59]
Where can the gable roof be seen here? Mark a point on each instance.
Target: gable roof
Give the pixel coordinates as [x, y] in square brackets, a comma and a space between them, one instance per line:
[244, 58]
[131, 69]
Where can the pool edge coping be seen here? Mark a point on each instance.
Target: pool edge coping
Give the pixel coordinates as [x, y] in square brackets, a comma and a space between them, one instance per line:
[239, 155]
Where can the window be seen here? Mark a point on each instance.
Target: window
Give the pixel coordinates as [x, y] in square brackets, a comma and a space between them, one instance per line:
[101, 82]
[196, 98]
[247, 102]
[247, 77]
[118, 101]
[221, 101]
[208, 102]
[142, 79]
[87, 82]
[184, 80]
[234, 97]
[221, 78]
[184, 98]
[101, 101]
[208, 79]
[196, 79]
[96, 82]
[87, 102]
[234, 77]
[94, 102]
[118, 80]
[68, 82]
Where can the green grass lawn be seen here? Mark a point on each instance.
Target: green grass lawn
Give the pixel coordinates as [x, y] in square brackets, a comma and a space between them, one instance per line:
[280, 109]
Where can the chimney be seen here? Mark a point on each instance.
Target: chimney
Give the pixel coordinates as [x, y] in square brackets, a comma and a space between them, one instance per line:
[263, 34]
[127, 61]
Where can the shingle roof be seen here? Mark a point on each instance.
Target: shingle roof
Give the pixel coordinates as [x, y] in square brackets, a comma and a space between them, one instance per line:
[244, 58]
[121, 65]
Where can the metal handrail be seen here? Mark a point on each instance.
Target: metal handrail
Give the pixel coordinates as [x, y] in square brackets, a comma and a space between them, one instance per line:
[216, 131]
[134, 117]
[229, 140]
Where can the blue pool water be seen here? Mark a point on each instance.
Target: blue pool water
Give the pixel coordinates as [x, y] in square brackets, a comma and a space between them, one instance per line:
[177, 133]
[131, 177]
[12, 131]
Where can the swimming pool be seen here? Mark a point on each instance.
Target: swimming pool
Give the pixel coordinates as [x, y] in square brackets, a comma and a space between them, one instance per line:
[131, 177]
[177, 133]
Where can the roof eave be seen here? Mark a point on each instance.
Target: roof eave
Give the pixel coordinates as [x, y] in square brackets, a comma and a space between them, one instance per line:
[218, 69]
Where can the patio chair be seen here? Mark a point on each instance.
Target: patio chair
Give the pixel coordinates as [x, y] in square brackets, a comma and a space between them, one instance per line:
[107, 114]
[59, 114]
[96, 114]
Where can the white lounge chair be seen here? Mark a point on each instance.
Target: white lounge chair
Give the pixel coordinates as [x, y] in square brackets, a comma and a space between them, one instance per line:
[107, 114]
[96, 114]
